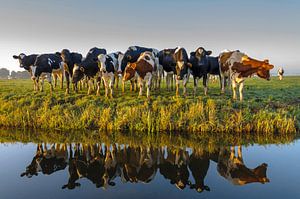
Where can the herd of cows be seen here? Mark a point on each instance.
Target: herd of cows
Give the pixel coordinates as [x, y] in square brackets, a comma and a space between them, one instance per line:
[145, 66]
[104, 164]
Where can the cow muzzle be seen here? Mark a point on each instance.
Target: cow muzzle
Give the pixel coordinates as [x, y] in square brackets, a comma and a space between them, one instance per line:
[119, 72]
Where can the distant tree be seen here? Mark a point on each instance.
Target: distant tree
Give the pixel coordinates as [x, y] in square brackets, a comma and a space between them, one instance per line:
[22, 75]
[13, 74]
[4, 73]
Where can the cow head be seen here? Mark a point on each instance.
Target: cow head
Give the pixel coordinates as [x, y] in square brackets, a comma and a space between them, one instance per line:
[101, 62]
[263, 67]
[129, 71]
[199, 187]
[120, 58]
[66, 58]
[22, 59]
[78, 73]
[200, 55]
[182, 63]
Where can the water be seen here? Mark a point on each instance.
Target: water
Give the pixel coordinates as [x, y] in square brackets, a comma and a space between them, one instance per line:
[31, 170]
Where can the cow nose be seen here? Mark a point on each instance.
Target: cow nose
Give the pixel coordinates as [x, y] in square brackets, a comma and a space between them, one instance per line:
[119, 72]
[33, 77]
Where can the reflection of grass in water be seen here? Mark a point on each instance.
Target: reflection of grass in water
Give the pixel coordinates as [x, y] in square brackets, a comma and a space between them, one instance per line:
[208, 141]
[268, 107]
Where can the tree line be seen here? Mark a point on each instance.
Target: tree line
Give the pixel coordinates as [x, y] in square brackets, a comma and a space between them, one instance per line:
[6, 74]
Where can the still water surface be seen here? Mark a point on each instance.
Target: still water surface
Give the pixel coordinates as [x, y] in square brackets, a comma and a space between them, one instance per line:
[46, 170]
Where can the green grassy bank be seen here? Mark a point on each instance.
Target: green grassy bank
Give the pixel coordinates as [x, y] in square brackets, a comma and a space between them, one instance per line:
[269, 107]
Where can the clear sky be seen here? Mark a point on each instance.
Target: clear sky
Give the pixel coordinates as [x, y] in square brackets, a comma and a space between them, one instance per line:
[263, 29]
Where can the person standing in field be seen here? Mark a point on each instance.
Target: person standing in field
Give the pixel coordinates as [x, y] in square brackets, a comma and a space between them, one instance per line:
[280, 73]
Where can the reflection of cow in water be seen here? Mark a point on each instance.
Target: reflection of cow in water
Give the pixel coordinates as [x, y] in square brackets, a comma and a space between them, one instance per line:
[199, 164]
[232, 168]
[101, 164]
[47, 160]
[175, 167]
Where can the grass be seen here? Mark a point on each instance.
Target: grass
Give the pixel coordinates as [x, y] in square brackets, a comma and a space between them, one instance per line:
[269, 107]
[209, 141]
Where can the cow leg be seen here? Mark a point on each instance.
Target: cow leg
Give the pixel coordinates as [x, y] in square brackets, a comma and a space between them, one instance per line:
[61, 80]
[241, 86]
[42, 84]
[131, 85]
[177, 87]
[205, 84]
[148, 85]
[111, 85]
[240, 155]
[90, 85]
[105, 86]
[168, 82]
[233, 89]
[195, 85]
[68, 82]
[140, 80]
[98, 85]
[185, 81]
[172, 81]
[123, 86]
[222, 79]
[117, 81]
[55, 79]
[49, 79]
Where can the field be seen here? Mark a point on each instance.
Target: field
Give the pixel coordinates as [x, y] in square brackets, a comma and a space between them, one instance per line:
[269, 107]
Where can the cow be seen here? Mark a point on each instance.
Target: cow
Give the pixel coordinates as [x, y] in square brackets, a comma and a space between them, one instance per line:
[109, 65]
[203, 65]
[175, 61]
[89, 68]
[144, 67]
[69, 60]
[27, 62]
[232, 168]
[133, 53]
[238, 66]
[175, 167]
[280, 73]
[47, 161]
[199, 164]
[45, 66]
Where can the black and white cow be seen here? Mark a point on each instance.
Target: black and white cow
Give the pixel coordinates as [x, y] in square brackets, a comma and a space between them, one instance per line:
[175, 61]
[69, 60]
[89, 68]
[109, 65]
[26, 62]
[45, 65]
[204, 65]
[133, 53]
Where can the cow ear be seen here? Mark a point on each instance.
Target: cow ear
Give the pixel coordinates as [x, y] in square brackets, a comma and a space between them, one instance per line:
[58, 53]
[209, 52]
[16, 57]
[82, 69]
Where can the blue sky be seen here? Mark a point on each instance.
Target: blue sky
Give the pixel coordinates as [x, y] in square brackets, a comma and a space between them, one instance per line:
[263, 29]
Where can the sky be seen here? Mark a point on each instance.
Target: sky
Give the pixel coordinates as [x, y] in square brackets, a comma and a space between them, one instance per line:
[268, 29]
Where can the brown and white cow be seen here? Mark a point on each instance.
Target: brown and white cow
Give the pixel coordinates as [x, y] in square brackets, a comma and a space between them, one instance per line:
[238, 67]
[280, 73]
[144, 68]
[232, 168]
